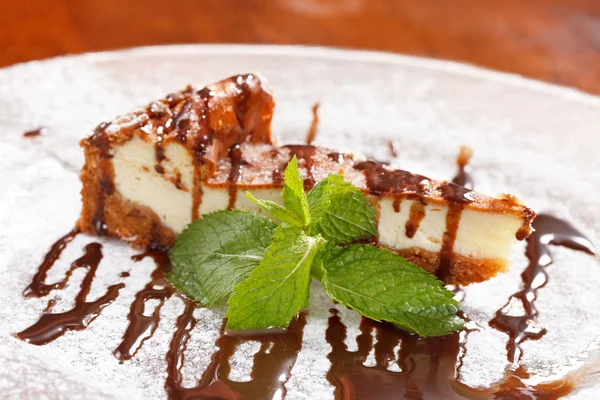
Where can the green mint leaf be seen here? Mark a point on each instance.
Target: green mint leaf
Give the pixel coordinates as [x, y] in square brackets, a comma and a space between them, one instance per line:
[383, 286]
[218, 251]
[340, 212]
[278, 288]
[277, 211]
[294, 197]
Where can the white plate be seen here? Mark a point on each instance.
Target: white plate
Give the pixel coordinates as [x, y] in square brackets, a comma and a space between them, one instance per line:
[534, 140]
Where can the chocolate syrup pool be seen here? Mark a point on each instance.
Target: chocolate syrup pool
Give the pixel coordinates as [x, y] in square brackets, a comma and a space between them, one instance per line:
[425, 368]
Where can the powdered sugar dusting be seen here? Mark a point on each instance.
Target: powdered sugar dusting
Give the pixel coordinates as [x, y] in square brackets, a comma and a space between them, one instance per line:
[538, 143]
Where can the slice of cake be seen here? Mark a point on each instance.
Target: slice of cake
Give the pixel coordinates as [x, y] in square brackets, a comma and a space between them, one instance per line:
[151, 172]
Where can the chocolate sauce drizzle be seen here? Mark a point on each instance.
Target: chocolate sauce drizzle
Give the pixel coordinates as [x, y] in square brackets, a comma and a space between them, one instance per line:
[141, 327]
[444, 270]
[50, 326]
[336, 157]
[35, 132]
[277, 176]
[549, 230]
[458, 197]
[396, 204]
[38, 287]
[274, 360]
[314, 125]
[425, 368]
[393, 148]
[381, 180]
[237, 163]
[463, 177]
[182, 122]
[159, 152]
[106, 176]
[415, 216]
[304, 154]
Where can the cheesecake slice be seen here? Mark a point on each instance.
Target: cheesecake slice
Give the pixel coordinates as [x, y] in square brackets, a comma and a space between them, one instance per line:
[150, 173]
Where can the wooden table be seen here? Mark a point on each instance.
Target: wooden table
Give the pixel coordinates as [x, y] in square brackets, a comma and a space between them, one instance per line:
[553, 40]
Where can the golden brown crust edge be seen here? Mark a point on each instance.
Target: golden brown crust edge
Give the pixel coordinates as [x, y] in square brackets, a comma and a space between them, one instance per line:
[134, 223]
[463, 270]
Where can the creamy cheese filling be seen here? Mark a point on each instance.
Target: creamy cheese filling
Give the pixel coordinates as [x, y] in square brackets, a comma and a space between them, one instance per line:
[480, 234]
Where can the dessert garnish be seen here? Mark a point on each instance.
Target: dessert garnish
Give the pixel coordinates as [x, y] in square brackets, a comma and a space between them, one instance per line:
[267, 269]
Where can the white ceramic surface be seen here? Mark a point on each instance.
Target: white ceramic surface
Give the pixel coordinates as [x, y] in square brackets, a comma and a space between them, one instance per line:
[534, 140]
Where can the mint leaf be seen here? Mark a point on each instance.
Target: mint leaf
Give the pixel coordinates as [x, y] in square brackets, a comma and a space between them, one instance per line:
[218, 251]
[340, 212]
[383, 286]
[294, 198]
[278, 288]
[277, 211]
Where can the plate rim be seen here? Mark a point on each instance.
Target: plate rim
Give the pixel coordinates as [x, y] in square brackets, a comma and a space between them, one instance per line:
[326, 53]
[513, 81]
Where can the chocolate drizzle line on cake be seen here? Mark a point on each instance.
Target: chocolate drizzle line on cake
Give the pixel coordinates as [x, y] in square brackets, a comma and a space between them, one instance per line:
[35, 132]
[381, 180]
[271, 370]
[177, 182]
[549, 230]
[396, 204]
[463, 177]
[53, 325]
[142, 326]
[416, 215]
[304, 154]
[314, 125]
[525, 229]
[237, 163]
[336, 157]
[277, 176]
[242, 103]
[106, 176]
[206, 95]
[457, 197]
[444, 270]
[160, 156]
[277, 173]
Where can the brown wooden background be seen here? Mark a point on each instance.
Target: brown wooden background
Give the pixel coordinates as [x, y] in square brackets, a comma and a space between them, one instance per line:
[553, 40]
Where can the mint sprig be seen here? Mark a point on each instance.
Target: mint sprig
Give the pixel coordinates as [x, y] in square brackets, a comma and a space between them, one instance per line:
[215, 253]
[267, 269]
[340, 212]
[278, 288]
[385, 287]
[294, 197]
[277, 211]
